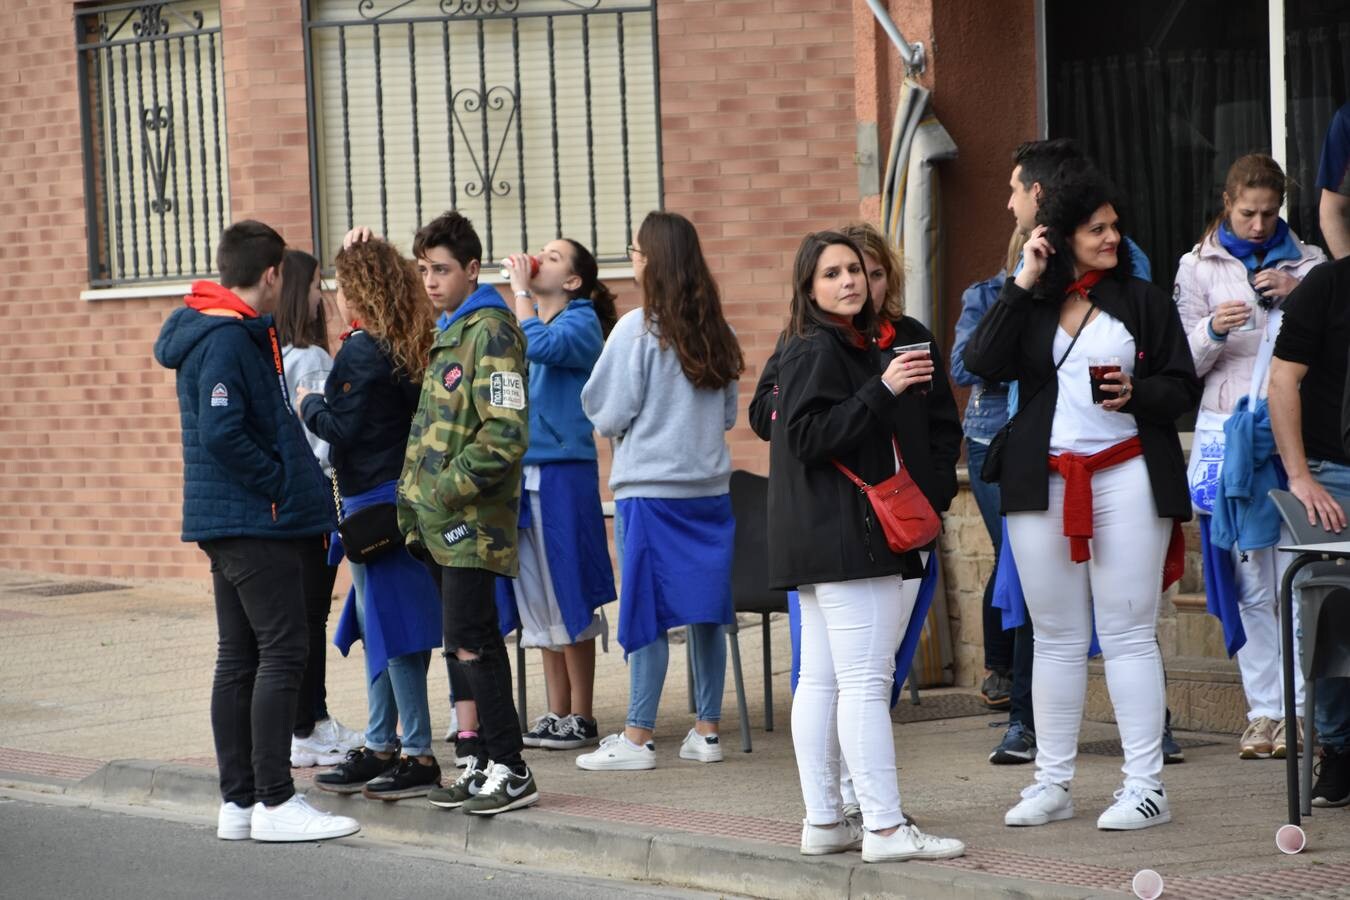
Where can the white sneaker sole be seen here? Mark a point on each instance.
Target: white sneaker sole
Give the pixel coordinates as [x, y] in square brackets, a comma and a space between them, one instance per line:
[1058, 815]
[615, 765]
[286, 837]
[556, 744]
[953, 853]
[241, 833]
[1161, 819]
[701, 756]
[309, 760]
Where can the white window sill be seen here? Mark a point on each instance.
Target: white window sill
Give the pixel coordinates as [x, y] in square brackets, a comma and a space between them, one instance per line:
[180, 288]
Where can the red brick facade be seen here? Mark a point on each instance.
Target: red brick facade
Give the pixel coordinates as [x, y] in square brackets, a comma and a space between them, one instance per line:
[758, 139]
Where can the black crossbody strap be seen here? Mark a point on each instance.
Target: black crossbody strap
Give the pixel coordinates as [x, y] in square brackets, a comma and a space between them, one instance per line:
[1023, 404]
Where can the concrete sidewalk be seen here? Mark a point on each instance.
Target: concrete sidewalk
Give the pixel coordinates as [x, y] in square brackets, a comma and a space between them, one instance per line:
[90, 677]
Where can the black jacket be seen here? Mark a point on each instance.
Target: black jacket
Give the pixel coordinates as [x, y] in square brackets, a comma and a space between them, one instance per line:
[927, 426]
[831, 404]
[365, 414]
[1015, 341]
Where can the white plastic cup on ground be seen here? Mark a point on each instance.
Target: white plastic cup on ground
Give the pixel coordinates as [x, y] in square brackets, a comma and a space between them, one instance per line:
[1290, 839]
[1147, 884]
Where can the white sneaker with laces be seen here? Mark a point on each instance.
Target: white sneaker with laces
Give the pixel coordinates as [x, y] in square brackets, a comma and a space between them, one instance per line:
[1135, 808]
[1041, 804]
[818, 840]
[908, 842]
[313, 751]
[296, 820]
[616, 754]
[334, 732]
[234, 823]
[705, 748]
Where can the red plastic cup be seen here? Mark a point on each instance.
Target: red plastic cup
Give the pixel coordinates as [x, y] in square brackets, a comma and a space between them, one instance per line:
[506, 267]
[1147, 884]
[1290, 839]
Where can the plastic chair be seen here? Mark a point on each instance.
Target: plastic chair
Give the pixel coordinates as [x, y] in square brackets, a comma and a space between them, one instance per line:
[1324, 641]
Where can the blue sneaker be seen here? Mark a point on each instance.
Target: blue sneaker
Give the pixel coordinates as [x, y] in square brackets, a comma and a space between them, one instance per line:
[1018, 746]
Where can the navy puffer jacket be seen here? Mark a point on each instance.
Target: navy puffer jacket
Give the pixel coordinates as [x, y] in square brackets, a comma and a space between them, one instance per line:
[247, 469]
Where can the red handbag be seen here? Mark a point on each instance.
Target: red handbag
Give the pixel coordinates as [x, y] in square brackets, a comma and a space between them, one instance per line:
[906, 517]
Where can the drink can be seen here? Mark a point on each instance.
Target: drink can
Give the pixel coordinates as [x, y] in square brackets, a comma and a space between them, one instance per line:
[506, 267]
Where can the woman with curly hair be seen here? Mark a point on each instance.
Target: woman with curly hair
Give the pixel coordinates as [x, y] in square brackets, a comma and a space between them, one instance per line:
[665, 389]
[365, 414]
[1093, 483]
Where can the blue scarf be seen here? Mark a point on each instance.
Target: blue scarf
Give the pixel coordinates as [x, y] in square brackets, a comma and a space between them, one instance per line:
[1257, 256]
[486, 295]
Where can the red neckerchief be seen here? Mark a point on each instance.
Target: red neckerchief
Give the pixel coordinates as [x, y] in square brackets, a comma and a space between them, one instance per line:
[356, 326]
[212, 299]
[1077, 473]
[1086, 283]
[850, 330]
[885, 334]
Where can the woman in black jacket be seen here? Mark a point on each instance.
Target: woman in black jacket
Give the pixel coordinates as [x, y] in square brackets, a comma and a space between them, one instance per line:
[1074, 305]
[856, 594]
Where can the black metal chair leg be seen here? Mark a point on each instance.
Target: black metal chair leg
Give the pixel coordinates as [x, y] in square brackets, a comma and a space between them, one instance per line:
[768, 675]
[520, 679]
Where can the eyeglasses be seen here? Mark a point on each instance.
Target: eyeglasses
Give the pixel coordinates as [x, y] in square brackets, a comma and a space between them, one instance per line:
[634, 251]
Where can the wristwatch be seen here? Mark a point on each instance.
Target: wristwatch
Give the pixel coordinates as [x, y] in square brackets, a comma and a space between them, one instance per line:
[524, 295]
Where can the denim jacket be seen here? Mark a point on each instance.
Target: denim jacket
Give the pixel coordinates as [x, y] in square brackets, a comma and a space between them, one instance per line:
[987, 408]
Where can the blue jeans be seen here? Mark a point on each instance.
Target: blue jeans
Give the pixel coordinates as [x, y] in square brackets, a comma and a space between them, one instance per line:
[400, 690]
[647, 675]
[1331, 717]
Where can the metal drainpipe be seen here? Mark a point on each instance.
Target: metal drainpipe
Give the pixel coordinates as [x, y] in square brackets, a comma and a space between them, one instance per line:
[912, 55]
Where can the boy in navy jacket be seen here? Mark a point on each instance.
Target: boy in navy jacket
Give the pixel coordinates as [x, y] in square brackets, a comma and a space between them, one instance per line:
[251, 489]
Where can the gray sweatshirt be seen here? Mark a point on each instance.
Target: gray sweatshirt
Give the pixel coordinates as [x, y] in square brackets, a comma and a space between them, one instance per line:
[669, 435]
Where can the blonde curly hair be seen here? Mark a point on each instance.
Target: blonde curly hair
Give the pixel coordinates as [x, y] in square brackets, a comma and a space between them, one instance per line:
[871, 241]
[384, 292]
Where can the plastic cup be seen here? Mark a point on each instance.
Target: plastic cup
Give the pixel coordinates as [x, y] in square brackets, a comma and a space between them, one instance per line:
[1290, 839]
[1098, 368]
[1147, 884]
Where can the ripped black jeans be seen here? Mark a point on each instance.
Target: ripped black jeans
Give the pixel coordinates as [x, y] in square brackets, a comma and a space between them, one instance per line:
[469, 621]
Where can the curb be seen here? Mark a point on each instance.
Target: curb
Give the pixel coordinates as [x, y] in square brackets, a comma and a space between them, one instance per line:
[597, 848]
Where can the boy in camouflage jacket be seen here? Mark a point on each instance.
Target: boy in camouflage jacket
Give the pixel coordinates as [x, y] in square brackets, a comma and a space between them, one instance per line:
[459, 500]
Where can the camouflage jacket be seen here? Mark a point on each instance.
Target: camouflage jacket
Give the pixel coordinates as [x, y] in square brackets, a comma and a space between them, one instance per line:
[460, 489]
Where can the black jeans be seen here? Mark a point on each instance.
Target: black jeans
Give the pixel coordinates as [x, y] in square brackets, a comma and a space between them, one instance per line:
[1024, 653]
[260, 661]
[469, 617]
[318, 583]
[999, 649]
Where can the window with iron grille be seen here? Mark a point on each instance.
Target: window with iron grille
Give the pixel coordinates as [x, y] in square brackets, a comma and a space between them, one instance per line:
[535, 118]
[152, 111]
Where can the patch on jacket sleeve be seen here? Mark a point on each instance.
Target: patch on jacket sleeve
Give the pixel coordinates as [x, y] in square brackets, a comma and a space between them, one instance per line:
[453, 536]
[453, 376]
[219, 395]
[507, 390]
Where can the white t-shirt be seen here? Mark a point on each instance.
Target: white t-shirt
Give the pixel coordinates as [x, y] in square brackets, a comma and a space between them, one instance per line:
[1081, 426]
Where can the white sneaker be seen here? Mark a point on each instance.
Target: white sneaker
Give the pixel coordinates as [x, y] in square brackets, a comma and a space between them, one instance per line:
[296, 820]
[453, 731]
[332, 731]
[311, 751]
[1135, 808]
[1041, 804]
[818, 840]
[908, 842]
[616, 754]
[705, 748]
[234, 822]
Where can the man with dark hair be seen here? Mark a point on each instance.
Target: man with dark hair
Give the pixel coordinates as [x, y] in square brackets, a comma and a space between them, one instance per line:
[252, 490]
[1333, 180]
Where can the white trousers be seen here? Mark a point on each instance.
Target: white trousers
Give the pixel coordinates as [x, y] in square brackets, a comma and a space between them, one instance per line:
[1258, 583]
[1119, 590]
[850, 632]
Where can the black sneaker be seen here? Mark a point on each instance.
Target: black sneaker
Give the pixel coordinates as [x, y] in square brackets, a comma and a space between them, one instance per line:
[410, 778]
[1172, 752]
[351, 775]
[572, 733]
[541, 730]
[1333, 779]
[996, 690]
[504, 790]
[469, 783]
[1018, 746]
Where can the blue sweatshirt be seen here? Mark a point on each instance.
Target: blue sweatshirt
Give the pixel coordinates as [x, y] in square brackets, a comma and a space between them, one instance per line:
[561, 354]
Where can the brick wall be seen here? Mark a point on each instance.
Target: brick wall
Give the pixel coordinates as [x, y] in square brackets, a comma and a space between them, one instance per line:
[757, 130]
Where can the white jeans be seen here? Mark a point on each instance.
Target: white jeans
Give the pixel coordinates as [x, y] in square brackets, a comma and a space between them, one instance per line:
[1258, 583]
[1119, 589]
[850, 632]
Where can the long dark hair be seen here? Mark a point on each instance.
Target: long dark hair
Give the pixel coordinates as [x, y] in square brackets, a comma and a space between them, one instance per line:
[681, 303]
[294, 325]
[1077, 190]
[588, 270]
[805, 315]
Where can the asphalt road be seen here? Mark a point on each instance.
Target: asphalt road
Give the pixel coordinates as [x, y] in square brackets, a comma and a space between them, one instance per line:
[59, 850]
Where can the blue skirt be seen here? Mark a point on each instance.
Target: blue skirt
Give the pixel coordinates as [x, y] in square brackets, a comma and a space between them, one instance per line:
[676, 566]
